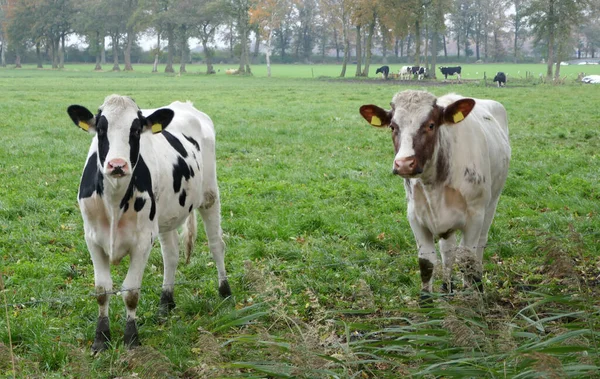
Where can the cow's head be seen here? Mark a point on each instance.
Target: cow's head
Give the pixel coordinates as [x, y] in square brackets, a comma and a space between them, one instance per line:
[416, 121]
[118, 126]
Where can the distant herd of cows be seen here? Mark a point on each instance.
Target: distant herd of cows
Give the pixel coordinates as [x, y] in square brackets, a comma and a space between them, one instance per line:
[421, 72]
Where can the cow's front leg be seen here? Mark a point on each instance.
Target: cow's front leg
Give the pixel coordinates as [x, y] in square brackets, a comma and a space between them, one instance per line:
[103, 284]
[131, 290]
[427, 256]
[169, 244]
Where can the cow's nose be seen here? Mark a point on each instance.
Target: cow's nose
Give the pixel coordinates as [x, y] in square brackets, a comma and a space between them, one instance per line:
[117, 167]
[405, 166]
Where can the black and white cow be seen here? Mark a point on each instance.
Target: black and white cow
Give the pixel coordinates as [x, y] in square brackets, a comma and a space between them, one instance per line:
[384, 71]
[421, 73]
[500, 78]
[453, 153]
[451, 71]
[146, 173]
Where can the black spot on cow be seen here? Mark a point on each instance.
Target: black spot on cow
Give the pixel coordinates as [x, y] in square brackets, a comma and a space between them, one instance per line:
[92, 179]
[193, 142]
[175, 143]
[141, 181]
[180, 170]
[426, 267]
[191, 208]
[139, 203]
[182, 197]
[103, 144]
[473, 177]
[134, 141]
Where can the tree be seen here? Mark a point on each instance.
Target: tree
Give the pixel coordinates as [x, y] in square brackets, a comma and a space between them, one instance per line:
[212, 15]
[517, 22]
[241, 9]
[268, 14]
[551, 18]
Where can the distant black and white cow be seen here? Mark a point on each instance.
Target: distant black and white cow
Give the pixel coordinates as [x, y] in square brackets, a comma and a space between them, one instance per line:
[384, 71]
[500, 78]
[453, 153]
[451, 71]
[421, 73]
[146, 173]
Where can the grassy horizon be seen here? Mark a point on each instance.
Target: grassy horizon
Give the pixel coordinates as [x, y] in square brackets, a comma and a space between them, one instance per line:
[321, 259]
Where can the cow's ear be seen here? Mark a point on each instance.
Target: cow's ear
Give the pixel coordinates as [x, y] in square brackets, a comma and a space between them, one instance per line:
[82, 117]
[159, 120]
[375, 115]
[457, 111]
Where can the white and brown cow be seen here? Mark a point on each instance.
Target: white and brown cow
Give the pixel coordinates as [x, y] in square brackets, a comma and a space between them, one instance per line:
[453, 153]
[146, 173]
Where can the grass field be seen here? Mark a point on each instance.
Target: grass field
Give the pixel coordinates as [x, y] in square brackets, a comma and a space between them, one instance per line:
[321, 259]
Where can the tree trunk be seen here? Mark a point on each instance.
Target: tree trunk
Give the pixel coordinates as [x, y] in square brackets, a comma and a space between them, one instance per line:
[61, 52]
[268, 52]
[184, 47]
[2, 51]
[371, 31]
[98, 53]
[102, 50]
[358, 52]
[38, 55]
[517, 29]
[115, 43]
[156, 53]
[551, 29]
[170, 48]
[18, 60]
[208, 55]
[127, 53]
[445, 47]
[417, 43]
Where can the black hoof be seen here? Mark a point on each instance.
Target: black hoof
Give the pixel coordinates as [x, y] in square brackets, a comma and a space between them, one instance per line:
[477, 283]
[102, 337]
[224, 289]
[448, 288]
[131, 338]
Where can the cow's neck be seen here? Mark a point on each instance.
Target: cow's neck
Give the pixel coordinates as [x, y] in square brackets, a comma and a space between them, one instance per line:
[116, 194]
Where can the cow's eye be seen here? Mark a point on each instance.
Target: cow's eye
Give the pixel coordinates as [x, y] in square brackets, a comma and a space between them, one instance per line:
[431, 126]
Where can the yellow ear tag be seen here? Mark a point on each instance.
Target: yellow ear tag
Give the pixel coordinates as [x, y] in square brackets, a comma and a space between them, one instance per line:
[375, 121]
[458, 117]
[83, 125]
[156, 128]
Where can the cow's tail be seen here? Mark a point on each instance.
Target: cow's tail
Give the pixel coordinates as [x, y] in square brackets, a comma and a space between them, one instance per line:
[189, 234]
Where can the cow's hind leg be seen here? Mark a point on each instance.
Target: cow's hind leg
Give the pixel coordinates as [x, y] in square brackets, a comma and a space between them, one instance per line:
[448, 253]
[169, 244]
[131, 290]
[103, 284]
[211, 216]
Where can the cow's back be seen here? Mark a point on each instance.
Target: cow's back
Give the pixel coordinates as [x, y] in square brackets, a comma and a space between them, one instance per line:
[482, 143]
[182, 162]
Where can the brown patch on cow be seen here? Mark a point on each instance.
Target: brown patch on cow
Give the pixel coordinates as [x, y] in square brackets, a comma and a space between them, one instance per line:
[426, 267]
[426, 139]
[209, 199]
[131, 299]
[454, 199]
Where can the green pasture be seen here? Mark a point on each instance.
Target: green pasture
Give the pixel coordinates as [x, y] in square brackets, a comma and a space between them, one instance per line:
[320, 256]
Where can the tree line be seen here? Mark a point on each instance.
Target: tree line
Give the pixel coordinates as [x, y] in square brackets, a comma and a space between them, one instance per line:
[351, 30]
